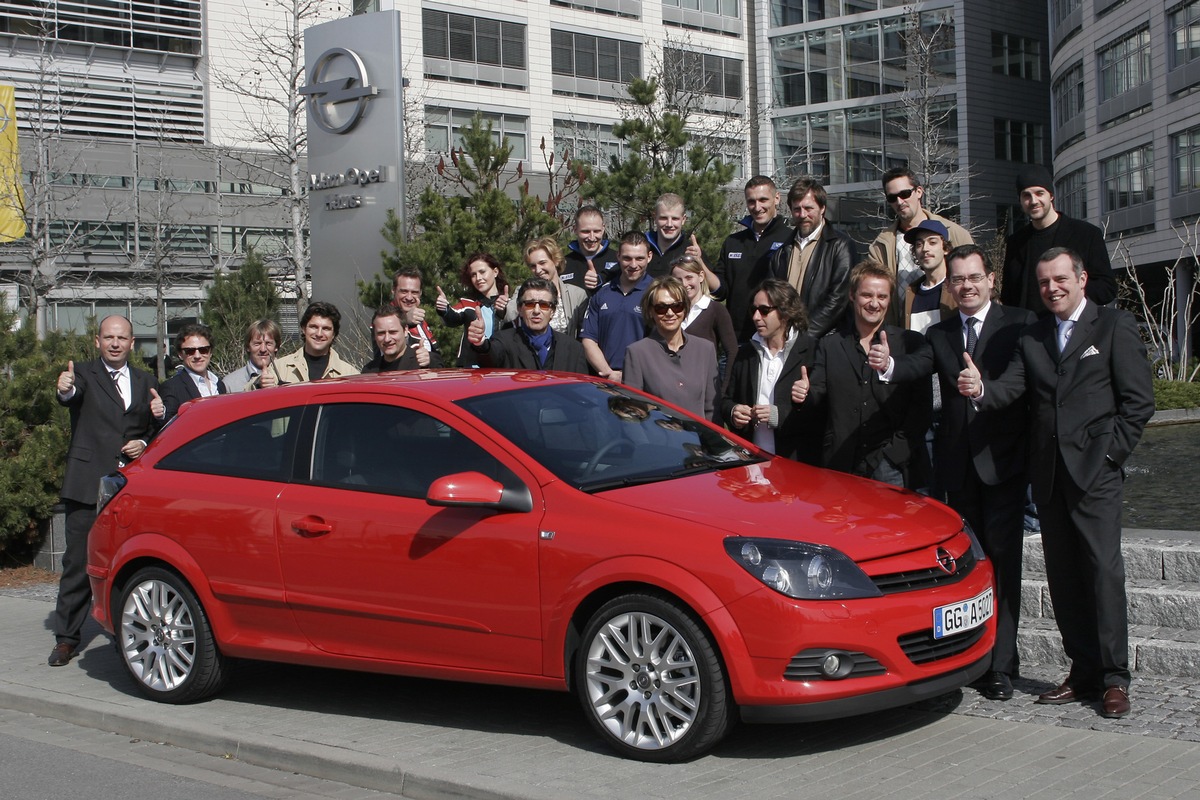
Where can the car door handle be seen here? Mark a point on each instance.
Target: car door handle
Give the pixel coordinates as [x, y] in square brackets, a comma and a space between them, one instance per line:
[311, 526]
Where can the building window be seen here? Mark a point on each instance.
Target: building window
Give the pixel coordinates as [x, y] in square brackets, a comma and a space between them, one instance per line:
[614, 8]
[1062, 9]
[590, 142]
[1019, 141]
[1127, 179]
[1125, 64]
[1185, 160]
[712, 16]
[607, 62]
[164, 26]
[1068, 95]
[1016, 56]
[443, 129]
[704, 72]
[475, 40]
[1071, 198]
[725, 8]
[1183, 24]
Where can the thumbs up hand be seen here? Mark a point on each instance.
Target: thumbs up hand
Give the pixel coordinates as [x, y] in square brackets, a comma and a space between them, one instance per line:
[800, 388]
[879, 354]
[66, 380]
[591, 278]
[157, 408]
[441, 303]
[421, 354]
[970, 382]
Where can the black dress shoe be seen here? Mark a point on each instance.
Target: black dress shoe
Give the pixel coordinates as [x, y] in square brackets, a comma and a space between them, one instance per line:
[61, 654]
[1116, 702]
[996, 686]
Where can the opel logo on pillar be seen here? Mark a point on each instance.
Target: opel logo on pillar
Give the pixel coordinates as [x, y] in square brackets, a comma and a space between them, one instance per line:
[338, 77]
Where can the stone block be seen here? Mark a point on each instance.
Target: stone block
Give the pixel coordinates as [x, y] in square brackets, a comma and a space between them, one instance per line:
[1167, 657]
[54, 541]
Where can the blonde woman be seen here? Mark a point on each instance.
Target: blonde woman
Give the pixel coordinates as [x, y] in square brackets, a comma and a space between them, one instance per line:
[706, 318]
[545, 260]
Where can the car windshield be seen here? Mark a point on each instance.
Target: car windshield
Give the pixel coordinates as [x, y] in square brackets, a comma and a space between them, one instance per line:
[600, 436]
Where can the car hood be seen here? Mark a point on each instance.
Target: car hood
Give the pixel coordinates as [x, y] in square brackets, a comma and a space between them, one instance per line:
[781, 499]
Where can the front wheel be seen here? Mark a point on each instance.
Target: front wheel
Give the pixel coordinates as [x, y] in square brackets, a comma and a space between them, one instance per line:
[651, 680]
[165, 640]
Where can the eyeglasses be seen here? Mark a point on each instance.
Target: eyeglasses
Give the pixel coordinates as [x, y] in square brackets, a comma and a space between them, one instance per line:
[959, 280]
[191, 351]
[903, 194]
[544, 305]
[762, 310]
[661, 309]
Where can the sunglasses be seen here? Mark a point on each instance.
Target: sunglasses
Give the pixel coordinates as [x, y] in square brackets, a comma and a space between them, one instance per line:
[903, 194]
[675, 308]
[762, 310]
[544, 305]
[191, 351]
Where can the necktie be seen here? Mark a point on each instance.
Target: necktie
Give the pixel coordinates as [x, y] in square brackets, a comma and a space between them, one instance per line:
[116, 377]
[972, 337]
[1064, 334]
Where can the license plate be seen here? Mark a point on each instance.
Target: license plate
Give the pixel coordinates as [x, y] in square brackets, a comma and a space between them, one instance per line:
[959, 617]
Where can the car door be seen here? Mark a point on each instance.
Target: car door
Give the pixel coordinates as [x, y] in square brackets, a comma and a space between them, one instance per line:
[373, 571]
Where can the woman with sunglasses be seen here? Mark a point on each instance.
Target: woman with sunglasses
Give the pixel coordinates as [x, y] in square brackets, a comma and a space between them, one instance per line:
[758, 401]
[195, 380]
[669, 363]
[706, 318]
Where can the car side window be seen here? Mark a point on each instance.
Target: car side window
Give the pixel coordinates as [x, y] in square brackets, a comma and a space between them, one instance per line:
[258, 447]
[393, 450]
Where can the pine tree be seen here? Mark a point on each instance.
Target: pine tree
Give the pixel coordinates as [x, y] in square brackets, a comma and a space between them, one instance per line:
[232, 303]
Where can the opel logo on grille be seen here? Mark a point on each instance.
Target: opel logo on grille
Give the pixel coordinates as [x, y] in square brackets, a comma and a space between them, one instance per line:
[946, 561]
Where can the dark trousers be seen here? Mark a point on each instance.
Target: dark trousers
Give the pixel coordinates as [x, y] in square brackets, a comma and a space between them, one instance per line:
[74, 589]
[1081, 538]
[995, 514]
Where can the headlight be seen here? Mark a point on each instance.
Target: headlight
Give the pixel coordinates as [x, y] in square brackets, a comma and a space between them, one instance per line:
[801, 570]
[976, 547]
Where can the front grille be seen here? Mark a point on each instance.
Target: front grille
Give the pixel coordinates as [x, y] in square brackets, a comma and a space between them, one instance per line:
[806, 665]
[922, 648]
[926, 578]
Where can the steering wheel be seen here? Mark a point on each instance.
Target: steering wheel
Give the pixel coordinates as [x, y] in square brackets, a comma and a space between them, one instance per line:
[604, 450]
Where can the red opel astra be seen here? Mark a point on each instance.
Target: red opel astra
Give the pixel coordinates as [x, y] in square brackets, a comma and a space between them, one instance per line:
[532, 530]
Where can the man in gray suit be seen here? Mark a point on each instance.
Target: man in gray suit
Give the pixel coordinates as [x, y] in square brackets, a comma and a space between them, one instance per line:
[980, 455]
[1084, 372]
[114, 410]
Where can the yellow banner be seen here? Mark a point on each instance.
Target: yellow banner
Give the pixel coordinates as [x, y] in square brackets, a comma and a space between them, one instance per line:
[12, 198]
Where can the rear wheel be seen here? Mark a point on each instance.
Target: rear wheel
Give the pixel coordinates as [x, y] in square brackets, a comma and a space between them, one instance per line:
[651, 681]
[165, 640]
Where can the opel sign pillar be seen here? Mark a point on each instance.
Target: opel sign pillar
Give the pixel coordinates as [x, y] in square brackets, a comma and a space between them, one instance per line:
[355, 151]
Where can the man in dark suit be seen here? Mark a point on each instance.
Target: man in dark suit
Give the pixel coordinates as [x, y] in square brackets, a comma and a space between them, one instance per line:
[817, 259]
[114, 411]
[1084, 372]
[195, 380]
[531, 343]
[980, 455]
[874, 379]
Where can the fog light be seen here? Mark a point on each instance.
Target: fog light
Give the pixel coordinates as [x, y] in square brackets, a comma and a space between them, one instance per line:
[831, 665]
[751, 554]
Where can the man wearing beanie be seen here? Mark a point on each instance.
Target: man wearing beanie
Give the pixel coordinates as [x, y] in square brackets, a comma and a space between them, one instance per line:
[1048, 228]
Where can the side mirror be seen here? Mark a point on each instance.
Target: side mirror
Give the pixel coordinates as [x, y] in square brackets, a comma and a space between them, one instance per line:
[476, 490]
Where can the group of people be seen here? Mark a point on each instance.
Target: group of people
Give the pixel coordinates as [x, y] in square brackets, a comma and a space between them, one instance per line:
[903, 367]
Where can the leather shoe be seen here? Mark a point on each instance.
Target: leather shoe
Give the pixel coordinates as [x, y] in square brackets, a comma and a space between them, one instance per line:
[996, 686]
[1063, 693]
[1116, 702]
[61, 654]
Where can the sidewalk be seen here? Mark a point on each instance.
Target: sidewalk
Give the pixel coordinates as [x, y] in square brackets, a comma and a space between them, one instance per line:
[427, 739]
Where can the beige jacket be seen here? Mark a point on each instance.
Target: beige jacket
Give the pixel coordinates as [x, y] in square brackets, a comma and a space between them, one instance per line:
[292, 368]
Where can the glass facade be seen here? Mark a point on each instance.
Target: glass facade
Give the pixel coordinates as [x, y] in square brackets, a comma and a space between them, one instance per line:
[1127, 179]
[443, 129]
[1185, 161]
[1125, 64]
[1183, 31]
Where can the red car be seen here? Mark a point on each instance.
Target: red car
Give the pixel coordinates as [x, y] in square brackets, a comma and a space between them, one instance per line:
[532, 530]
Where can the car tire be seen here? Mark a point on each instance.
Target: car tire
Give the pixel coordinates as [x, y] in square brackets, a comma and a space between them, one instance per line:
[650, 680]
[165, 640]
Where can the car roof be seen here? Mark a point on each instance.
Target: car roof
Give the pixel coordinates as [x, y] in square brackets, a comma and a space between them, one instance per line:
[444, 384]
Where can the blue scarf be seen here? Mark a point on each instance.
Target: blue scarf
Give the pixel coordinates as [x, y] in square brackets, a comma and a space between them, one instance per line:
[538, 342]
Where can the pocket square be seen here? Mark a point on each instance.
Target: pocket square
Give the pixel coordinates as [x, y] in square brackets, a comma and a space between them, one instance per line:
[1091, 351]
